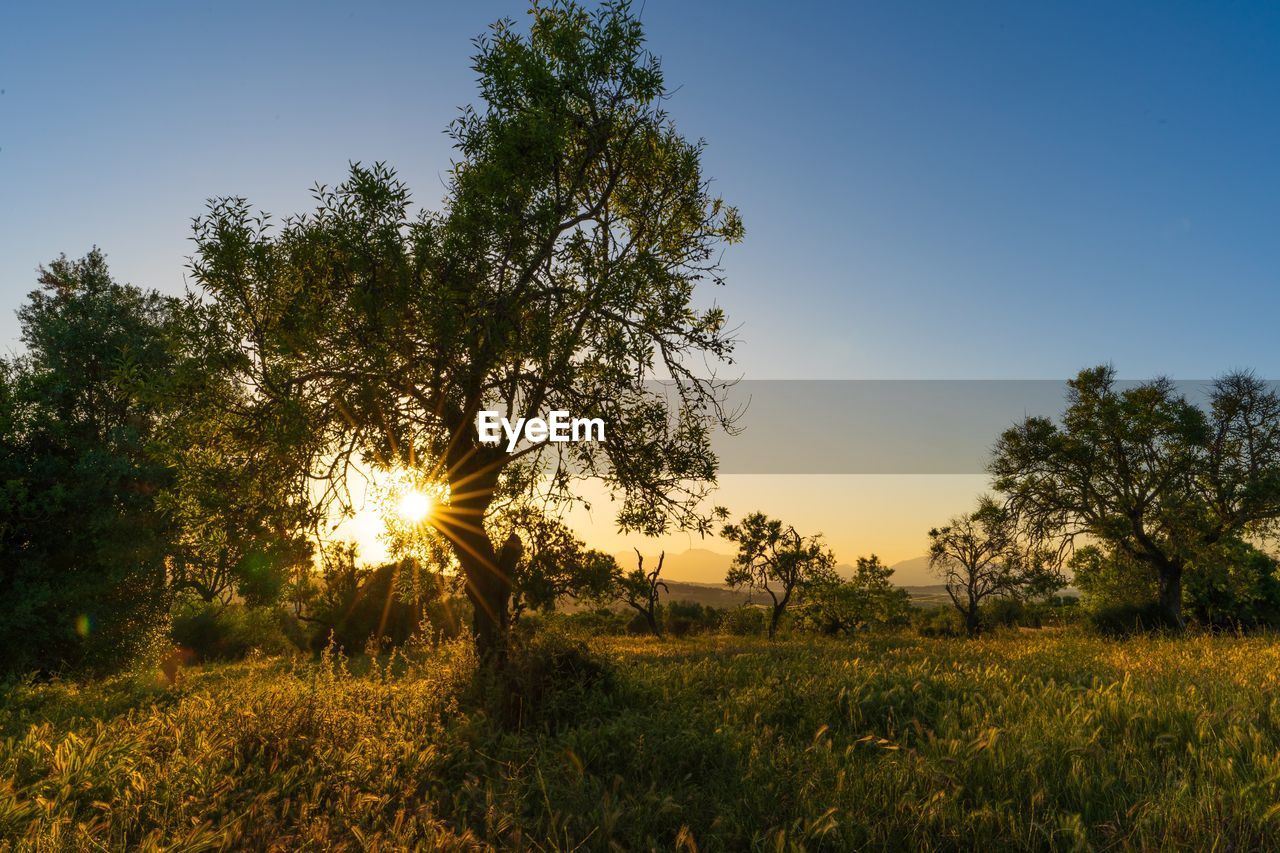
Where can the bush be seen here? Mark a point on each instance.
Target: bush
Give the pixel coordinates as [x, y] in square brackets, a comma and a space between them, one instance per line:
[1233, 586]
[681, 618]
[230, 631]
[601, 620]
[938, 622]
[372, 611]
[548, 679]
[745, 621]
[638, 625]
[1009, 613]
[832, 605]
[1122, 620]
[448, 617]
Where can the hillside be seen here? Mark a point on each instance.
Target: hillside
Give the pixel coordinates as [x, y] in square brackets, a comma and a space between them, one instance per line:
[712, 595]
[914, 572]
[696, 565]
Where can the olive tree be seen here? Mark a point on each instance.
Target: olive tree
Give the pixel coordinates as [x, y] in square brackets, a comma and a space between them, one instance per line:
[559, 273]
[1146, 472]
[980, 554]
[774, 558]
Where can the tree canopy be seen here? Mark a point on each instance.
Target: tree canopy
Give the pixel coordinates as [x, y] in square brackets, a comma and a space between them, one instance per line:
[82, 540]
[558, 274]
[775, 558]
[981, 554]
[1147, 472]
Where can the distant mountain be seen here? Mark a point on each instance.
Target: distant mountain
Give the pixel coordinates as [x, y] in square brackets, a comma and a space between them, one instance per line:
[697, 565]
[914, 572]
[844, 570]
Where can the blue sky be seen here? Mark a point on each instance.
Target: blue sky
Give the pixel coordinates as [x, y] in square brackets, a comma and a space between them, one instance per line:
[931, 190]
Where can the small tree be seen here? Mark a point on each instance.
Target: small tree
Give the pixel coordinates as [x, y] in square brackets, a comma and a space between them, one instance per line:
[979, 555]
[775, 558]
[639, 589]
[553, 564]
[834, 605]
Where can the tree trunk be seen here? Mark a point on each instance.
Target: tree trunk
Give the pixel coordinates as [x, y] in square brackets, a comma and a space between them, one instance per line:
[652, 618]
[488, 584]
[486, 571]
[1171, 593]
[972, 621]
[775, 618]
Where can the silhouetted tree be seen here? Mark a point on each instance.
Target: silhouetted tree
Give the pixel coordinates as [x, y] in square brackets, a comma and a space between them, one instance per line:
[980, 554]
[639, 589]
[555, 564]
[1146, 472]
[835, 605]
[82, 541]
[241, 509]
[775, 558]
[559, 275]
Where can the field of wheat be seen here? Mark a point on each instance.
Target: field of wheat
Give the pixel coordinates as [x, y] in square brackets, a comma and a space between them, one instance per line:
[1023, 740]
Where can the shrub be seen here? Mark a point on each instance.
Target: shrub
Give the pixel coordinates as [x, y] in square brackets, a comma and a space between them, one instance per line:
[938, 622]
[373, 610]
[1007, 612]
[687, 617]
[231, 631]
[600, 620]
[1121, 620]
[1232, 586]
[832, 605]
[745, 621]
[547, 681]
[637, 625]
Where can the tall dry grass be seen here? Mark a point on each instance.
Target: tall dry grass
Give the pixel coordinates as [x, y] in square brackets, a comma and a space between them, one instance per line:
[1041, 740]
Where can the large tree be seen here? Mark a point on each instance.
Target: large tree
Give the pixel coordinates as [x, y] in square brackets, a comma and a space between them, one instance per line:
[82, 540]
[1148, 473]
[559, 274]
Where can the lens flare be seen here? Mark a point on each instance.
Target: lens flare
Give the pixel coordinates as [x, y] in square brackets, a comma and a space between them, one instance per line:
[413, 506]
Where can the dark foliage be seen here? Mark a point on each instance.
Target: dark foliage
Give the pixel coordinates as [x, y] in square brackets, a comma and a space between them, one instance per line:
[82, 542]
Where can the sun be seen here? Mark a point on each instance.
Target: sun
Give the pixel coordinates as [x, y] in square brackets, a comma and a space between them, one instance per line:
[413, 506]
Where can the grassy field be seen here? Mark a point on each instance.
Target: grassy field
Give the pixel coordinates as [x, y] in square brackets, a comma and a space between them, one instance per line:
[1039, 740]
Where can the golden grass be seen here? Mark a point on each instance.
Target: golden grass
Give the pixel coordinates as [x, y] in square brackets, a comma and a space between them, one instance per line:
[1041, 740]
